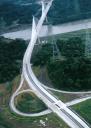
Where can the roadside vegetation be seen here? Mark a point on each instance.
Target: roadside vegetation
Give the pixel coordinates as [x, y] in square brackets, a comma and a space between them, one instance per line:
[72, 73]
[42, 57]
[11, 52]
[74, 70]
[29, 103]
[8, 119]
[84, 109]
[75, 66]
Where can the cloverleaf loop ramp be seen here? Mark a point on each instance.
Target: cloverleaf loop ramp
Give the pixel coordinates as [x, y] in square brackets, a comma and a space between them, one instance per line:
[54, 104]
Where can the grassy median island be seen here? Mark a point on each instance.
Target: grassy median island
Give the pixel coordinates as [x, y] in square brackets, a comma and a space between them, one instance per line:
[9, 119]
[29, 103]
[84, 109]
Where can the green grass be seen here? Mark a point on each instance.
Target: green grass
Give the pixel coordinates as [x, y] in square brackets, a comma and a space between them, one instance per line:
[11, 120]
[36, 70]
[84, 109]
[65, 36]
[65, 97]
[29, 103]
[8, 119]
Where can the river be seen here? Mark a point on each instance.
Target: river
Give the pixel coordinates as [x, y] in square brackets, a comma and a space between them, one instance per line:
[50, 30]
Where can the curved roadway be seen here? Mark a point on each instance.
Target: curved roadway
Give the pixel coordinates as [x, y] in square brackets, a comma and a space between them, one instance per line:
[51, 102]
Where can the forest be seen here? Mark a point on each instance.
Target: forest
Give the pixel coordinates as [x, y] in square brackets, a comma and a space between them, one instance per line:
[71, 73]
[60, 12]
[11, 56]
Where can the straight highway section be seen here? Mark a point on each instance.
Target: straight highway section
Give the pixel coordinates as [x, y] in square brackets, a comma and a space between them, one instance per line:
[53, 103]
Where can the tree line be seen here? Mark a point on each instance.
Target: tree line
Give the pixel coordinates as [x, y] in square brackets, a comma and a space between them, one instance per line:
[11, 55]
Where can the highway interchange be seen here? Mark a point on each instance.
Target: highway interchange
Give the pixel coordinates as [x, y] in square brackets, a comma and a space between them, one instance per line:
[53, 103]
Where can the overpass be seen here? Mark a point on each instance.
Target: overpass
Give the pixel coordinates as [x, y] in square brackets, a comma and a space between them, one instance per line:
[53, 103]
